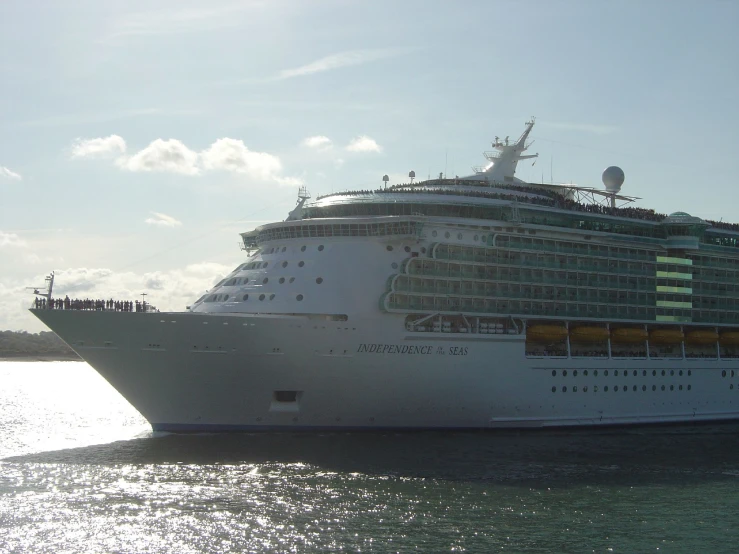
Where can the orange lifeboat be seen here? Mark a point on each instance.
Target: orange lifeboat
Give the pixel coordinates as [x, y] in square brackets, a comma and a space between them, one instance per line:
[666, 336]
[546, 332]
[729, 338]
[589, 334]
[702, 336]
[627, 335]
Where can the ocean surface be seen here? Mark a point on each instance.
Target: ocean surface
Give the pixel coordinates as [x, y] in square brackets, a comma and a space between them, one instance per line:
[81, 471]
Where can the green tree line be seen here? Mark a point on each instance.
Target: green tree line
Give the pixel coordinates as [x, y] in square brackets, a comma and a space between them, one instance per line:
[20, 344]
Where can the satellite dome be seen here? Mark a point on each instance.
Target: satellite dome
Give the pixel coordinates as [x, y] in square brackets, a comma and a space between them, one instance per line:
[613, 178]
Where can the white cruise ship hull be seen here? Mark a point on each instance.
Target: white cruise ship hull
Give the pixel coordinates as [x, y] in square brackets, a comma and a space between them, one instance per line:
[219, 372]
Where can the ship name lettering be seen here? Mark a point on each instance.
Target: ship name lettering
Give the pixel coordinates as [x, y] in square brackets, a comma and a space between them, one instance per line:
[393, 349]
[457, 350]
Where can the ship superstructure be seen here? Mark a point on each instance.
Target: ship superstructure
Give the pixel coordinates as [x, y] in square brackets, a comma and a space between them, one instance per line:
[471, 302]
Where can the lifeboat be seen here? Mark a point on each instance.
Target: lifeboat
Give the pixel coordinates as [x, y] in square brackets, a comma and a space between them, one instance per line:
[729, 338]
[666, 336]
[589, 334]
[701, 337]
[546, 332]
[626, 335]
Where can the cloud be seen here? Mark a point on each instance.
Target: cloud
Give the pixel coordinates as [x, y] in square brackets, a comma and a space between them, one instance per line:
[318, 142]
[11, 240]
[363, 144]
[8, 174]
[229, 154]
[336, 61]
[98, 147]
[163, 155]
[163, 220]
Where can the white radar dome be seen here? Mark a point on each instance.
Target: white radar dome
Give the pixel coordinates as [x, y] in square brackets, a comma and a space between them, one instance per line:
[613, 178]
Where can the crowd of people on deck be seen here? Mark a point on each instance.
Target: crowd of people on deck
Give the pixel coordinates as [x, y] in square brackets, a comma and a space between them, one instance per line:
[539, 196]
[68, 303]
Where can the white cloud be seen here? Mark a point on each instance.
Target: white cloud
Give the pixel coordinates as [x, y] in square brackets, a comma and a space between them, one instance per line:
[335, 61]
[98, 147]
[8, 174]
[229, 154]
[163, 155]
[363, 144]
[11, 240]
[163, 220]
[318, 142]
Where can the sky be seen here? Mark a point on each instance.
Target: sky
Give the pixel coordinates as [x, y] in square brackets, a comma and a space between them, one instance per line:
[139, 138]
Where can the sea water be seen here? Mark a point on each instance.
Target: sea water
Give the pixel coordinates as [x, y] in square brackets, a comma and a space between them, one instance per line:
[81, 471]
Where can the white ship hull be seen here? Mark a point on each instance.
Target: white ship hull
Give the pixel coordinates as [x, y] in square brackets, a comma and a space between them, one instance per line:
[201, 372]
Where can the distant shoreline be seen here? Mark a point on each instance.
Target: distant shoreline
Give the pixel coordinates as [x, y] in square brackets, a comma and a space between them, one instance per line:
[25, 357]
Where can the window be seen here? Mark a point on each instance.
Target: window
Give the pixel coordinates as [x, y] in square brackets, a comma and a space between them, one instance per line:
[319, 280]
[282, 280]
[320, 248]
[265, 280]
[261, 297]
[389, 248]
[302, 248]
[301, 263]
[284, 264]
[245, 298]
[299, 297]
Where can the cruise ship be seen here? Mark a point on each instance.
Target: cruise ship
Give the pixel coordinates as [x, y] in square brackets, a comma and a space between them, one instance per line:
[468, 303]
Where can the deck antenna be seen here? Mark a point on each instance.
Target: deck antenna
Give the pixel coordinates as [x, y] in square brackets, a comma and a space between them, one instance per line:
[446, 159]
[551, 171]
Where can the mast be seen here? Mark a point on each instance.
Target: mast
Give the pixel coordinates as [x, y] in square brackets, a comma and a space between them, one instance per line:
[505, 157]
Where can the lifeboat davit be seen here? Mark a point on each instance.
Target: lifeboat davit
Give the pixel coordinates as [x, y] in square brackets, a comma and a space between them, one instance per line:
[626, 335]
[729, 338]
[666, 336]
[546, 332]
[589, 334]
[702, 336]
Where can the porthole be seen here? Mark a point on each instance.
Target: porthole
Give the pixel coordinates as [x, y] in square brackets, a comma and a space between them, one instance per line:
[615, 373]
[320, 248]
[672, 373]
[634, 373]
[265, 280]
[271, 296]
[605, 373]
[459, 236]
[690, 372]
[654, 373]
[585, 388]
[554, 373]
[394, 265]
[585, 373]
[723, 373]
[261, 297]
[595, 372]
[654, 388]
[564, 389]
[292, 279]
[447, 235]
[574, 373]
[564, 373]
[265, 264]
[245, 298]
[681, 373]
[225, 298]
[299, 297]
[434, 233]
[615, 389]
[282, 280]
[301, 263]
[680, 387]
[284, 264]
[672, 387]
[574, 389]
[644, 387]
[663, 373]
[423, 250]
[389, 248]
[554, 389]
[302, 248]
[605, 389]
[407, 248]
[644, 373]
[663, 387]
[476, 237]
[634, 389]
[690, 386]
